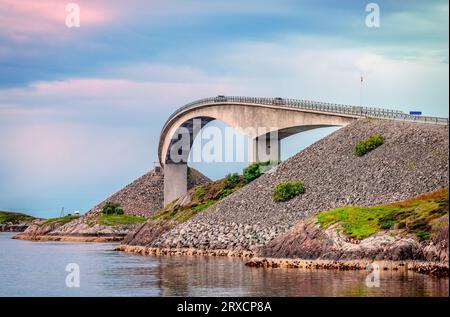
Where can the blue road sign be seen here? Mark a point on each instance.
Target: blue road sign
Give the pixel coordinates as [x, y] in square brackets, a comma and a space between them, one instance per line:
[415, 113]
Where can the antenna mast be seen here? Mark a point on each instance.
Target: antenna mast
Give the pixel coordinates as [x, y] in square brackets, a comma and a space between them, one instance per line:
[360, 91]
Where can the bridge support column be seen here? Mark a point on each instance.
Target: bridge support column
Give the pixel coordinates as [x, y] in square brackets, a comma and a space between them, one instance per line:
[265, 149]
[175, 181]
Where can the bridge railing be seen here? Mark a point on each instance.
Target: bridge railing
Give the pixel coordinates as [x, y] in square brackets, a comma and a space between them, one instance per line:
[361, 111]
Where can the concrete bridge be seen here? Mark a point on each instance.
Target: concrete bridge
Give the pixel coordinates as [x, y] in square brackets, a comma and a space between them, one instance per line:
[265, 121]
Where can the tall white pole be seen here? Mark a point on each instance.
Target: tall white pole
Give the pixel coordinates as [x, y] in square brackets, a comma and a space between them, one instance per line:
[361, 91]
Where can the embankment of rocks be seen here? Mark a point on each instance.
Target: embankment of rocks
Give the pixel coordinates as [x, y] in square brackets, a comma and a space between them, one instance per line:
[145, 195]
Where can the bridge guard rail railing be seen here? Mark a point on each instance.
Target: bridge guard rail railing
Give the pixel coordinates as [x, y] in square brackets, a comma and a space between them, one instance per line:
[313, 105]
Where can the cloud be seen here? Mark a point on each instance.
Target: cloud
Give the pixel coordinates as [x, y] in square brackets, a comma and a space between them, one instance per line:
[96, 95]
[24, 20]
[194, 33]
[306, 68]
[54, 151]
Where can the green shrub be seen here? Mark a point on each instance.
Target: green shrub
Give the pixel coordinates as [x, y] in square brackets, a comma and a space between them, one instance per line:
[224, 192]
[232, 180]
[288, 190]
[365, 146]
[111, 208]
[255, 170]
[119, 211]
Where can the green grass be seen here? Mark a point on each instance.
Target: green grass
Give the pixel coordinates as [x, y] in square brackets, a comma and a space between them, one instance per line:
[116, 220]
[14, 217]
[60, 220]
[199, 192]
[415, 216]
[203, 206]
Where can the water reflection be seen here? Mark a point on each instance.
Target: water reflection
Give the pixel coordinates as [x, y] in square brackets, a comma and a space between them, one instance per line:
[197, 276]
[38, 269]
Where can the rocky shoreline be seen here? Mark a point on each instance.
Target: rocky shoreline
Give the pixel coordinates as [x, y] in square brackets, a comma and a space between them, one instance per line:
[21, 227]
[77, 230]
[143, 250]
[68, 238]
[436, 269]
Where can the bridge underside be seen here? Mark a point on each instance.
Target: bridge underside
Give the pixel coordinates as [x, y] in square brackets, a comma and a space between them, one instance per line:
[279, 123]
[265, 147]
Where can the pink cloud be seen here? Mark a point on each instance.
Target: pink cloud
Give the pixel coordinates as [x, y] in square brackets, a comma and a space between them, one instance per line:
[57, 152]
[24, 19]
[91, 94]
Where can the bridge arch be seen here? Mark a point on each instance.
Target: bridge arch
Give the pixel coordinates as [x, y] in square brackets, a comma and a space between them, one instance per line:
[277, 121]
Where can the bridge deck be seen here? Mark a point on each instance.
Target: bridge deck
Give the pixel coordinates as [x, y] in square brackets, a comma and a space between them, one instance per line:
[357, 111]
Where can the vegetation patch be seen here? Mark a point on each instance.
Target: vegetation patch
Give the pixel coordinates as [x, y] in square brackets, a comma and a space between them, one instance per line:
[365, 146]
[202, 197]
[14, 217]
[111, 208]
[199, 192]
[60, 220]
[117, 220]
[288, 190]
[419, 216]
[232, 180]
[255, 170]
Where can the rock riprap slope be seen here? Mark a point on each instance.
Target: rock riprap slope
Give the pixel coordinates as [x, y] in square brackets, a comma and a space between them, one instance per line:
[145, 195]
[412, 160]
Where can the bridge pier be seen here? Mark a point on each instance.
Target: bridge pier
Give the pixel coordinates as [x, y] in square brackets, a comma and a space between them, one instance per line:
[175, 181]
[265, 148]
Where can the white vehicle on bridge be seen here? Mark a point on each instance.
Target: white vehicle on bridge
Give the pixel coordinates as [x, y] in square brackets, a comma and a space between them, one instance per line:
[278, 101]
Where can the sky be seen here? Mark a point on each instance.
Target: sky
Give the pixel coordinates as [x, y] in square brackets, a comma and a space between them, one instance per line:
[81, 108]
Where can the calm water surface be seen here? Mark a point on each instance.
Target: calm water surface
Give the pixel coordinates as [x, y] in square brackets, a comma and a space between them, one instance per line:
[38, 269]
